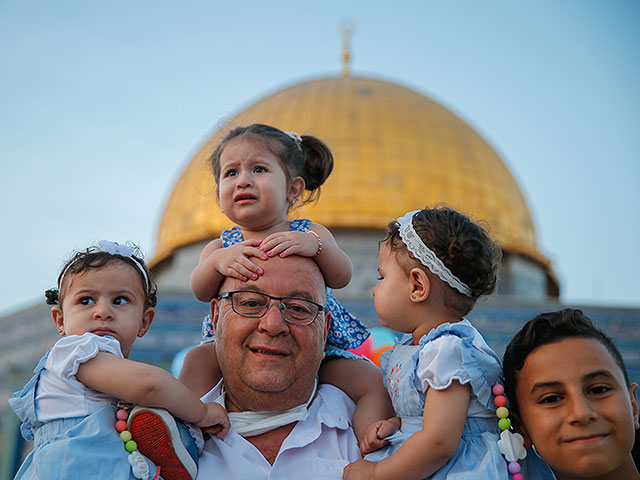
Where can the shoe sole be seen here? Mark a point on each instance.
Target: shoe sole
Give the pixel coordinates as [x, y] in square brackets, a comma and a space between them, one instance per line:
[156, 434]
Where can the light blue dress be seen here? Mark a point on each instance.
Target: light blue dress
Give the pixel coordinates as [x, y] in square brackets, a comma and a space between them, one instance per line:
[451, 352]
[346, 331]
[76, 447]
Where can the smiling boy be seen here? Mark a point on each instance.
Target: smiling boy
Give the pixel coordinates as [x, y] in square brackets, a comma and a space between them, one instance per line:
[571, 397]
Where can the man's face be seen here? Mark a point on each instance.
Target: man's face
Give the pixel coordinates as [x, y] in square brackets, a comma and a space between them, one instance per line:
[267, 363]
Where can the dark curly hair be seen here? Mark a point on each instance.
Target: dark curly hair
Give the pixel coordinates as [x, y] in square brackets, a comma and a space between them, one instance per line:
[548, 328]
[311, 159]
[464, 247]
[94, 258]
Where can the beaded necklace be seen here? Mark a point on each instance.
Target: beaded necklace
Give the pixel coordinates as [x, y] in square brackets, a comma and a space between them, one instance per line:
[511, 444]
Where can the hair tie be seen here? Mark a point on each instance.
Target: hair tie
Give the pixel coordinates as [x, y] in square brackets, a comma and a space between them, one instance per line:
[426, 256]
[295, 137]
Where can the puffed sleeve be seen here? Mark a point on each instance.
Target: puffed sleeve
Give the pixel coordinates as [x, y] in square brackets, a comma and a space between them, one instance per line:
[440, 363]
[71, 351]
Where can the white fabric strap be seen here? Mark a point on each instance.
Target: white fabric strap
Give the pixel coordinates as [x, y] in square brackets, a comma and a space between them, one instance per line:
[427, 257]
[248, 424]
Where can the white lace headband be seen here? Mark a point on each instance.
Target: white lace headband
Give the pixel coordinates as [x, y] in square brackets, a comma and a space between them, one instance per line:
[112, 248]
[427, 257]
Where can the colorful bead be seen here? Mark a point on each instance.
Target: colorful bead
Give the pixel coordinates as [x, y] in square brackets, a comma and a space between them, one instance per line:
[497, 389]
[121, 425]
[131, 446]
[500, 401]
[517, 476]
[125, 436]
[514, 467]
[122, 414]
[502, 412]
[504, 424]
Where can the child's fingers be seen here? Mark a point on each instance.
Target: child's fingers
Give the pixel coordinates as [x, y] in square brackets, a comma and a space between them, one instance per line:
[278, 249]
[252, 242]
[254, 252]
[243, 269]
[271, 242]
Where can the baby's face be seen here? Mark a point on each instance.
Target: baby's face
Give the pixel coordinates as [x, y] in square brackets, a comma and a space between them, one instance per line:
[107, 301]
[576, 408]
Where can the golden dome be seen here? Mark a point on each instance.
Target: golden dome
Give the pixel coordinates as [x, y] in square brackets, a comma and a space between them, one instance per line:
[395, 150]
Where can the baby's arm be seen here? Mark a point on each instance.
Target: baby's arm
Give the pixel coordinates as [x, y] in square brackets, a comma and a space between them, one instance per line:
[217, 262]
[424, 452]
[148, 385]
[362, 381]
[200, 369]
[334, 263]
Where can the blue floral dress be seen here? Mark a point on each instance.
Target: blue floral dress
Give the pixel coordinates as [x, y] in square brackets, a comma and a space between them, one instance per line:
[76, 447]
[451, 352]
[346, 331]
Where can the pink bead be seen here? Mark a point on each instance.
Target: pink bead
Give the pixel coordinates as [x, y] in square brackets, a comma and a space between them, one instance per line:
[497, 389]
[121, 425]
[122, 414]
[500, 401]
[517, 476]
[514, 467]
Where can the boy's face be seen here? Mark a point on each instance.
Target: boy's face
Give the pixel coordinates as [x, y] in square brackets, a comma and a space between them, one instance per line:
[576, 408]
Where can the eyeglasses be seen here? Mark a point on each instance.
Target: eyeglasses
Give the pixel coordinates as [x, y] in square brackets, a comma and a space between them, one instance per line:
[297, 311]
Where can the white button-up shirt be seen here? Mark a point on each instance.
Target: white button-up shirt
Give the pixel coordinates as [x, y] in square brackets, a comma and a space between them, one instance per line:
[317, 448]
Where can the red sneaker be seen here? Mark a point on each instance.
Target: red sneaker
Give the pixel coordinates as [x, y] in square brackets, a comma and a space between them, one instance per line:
[160, 440]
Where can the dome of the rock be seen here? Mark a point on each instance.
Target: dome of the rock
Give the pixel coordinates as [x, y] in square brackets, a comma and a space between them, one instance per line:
[394, 149]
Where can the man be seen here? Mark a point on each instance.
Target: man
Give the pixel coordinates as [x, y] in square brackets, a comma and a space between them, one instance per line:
[270, 336]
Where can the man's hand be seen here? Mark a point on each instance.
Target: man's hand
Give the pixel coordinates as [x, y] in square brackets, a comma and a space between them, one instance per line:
[374, 435]
[215, 420]
[359, 470]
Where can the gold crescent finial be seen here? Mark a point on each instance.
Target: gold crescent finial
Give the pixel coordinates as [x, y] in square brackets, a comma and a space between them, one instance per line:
[346, 28]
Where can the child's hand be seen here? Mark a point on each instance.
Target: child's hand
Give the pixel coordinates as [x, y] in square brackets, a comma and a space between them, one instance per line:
[215, 419]
[290, 243]
[373, 437]
[234, 261]
[358, 470]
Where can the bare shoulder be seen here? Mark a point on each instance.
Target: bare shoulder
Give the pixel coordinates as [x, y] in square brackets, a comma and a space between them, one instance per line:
[320, 230]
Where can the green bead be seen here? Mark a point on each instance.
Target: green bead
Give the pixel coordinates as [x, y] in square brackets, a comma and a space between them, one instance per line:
[504, 424]
[502, 412]
[125, 436]
[131, 446]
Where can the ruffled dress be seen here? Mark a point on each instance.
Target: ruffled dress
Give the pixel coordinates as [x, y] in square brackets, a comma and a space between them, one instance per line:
[451, 352]
[71, 426]
[346, 331]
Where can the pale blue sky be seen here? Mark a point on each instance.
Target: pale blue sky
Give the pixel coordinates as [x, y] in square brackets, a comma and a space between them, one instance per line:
[103, 104]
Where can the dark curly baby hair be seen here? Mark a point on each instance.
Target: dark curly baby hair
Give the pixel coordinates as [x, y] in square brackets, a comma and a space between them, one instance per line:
[306, 156]
[464, 247]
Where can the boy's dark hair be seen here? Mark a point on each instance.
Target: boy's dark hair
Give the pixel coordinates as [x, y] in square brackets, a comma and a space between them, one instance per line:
[548, 328]
[93, 258]
[463, 246]
[310, 158]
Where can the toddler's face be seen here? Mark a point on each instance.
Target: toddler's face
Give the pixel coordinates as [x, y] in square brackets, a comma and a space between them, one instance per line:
[576, 408]
[253, 188]
[105, 301]
[391, 294]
